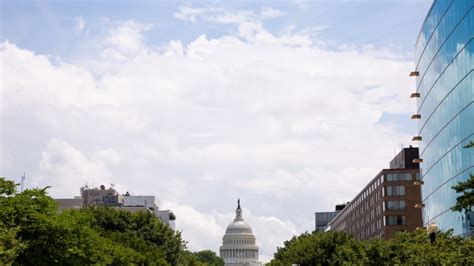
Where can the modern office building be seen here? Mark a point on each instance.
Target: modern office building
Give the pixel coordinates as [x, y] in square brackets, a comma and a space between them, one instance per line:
[238, 244]
[322, 219]
[445, 110]
[390, 202]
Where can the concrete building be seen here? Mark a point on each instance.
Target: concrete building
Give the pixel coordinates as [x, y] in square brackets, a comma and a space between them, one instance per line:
[390, 202]
[444, 58]
[111, 198]
[74, 203]
[238, 244]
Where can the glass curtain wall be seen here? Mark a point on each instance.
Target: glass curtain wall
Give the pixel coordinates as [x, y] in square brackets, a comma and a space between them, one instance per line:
[444, 60]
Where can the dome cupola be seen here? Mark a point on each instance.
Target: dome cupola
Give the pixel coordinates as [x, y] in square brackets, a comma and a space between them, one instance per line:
[238, 246]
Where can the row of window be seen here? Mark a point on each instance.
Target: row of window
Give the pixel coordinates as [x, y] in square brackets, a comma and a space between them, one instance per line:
[239, 254]
[368, 199]
[395, 205]
[239, 241]
[399, 177]
[395, 190]
[395, 220]
[377, 225]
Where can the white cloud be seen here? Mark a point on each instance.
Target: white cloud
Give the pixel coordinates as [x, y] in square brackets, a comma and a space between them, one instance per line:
[277, 120]
[192, 14]
[225, 16]
[127, 36]
[80, 23]
[269, 12]
[66, 169]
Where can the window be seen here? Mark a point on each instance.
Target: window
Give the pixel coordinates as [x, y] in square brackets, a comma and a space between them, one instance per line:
[396, 220]
[417, 176]
[395, 205]
[399, 177]
[395, 190]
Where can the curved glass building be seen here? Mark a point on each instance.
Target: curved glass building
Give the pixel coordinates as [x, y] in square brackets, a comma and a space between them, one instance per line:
[445, 109]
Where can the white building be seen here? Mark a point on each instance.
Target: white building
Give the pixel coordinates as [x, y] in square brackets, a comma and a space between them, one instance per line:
[139, 201]
[238, 245]
[111, 198]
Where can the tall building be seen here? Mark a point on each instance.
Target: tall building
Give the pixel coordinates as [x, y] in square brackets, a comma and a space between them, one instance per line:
[445, 110]
[238, 244]
[390, 202]
[322, 219]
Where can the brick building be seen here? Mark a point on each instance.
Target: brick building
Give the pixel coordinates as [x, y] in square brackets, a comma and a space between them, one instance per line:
[390, 202]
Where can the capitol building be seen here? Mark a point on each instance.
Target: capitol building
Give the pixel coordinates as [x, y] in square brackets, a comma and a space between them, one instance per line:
[238, 244]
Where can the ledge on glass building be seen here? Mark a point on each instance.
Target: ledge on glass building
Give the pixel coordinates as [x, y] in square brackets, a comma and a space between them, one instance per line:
[416, 138]
[416, 116]
[414, 74]
[415, 95]
[418, 183]
[419, 205]
[418, 160]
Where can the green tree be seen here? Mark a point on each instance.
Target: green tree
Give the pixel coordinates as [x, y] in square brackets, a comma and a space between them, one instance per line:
[209, 257]
[33, 232]
[405, 248]
[10, 245]
[466, 200]
[319, 248]
[141, 231]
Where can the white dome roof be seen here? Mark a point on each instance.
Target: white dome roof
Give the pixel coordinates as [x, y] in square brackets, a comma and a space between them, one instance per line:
[238, 227]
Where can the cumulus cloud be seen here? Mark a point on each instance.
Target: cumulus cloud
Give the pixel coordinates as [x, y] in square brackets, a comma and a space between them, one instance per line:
[66, 169]
[277, 120]
[127, 37]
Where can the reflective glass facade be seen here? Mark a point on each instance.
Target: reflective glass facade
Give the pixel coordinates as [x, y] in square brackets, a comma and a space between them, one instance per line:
[444, 61]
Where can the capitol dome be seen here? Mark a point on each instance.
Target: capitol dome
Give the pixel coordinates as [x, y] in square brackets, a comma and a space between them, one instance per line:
[238, 244]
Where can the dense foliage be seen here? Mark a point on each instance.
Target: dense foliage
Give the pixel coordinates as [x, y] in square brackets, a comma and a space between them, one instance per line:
[33, 232]
[466, 200]
[407, 248]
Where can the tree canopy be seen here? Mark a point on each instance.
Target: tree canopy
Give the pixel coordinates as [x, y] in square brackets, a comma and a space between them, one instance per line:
[33, 232]
[406, 248]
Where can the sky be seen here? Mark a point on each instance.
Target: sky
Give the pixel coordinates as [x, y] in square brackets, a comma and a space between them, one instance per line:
[291, 106]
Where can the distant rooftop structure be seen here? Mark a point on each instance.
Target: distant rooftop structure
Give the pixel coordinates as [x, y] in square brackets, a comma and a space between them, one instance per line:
[111, 198]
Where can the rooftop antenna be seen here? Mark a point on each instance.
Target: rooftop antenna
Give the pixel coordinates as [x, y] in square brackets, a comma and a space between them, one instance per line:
[22, 183]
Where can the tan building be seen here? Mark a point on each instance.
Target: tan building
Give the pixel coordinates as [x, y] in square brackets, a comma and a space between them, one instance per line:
[390, 202]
